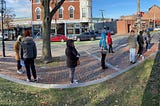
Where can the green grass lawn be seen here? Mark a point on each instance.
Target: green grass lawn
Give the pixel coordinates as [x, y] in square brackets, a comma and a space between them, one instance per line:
[139, 86]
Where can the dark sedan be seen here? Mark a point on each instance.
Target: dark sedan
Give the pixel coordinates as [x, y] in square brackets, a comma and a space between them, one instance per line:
[86, 36]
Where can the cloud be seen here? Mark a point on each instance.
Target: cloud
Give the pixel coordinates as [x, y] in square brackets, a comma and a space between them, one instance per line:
[22, 8]
[13, 1]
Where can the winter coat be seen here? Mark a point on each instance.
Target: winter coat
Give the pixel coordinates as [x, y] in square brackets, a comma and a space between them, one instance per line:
[102, 42]
[148, 38]
[109, 39]
[72, 55]
[28, 48]
[140, 40]
[132, 42]
[17, 49]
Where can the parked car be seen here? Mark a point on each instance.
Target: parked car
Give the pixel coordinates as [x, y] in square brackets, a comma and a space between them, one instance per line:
[157, 28]
[97, 34]
[150, 29]
[58, 38]
[5, 37]
[86, 36]
[111, 31]
[71, 36]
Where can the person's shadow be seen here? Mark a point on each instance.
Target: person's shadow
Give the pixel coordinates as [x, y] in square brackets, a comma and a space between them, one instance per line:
[151, 95]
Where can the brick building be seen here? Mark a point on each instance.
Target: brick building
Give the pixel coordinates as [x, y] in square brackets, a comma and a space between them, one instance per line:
[151, 18]
[73, 17]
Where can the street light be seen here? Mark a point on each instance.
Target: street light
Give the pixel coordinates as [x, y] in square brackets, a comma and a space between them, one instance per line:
[32, 18]
[102, 16]
[139, 16]
[2, 9]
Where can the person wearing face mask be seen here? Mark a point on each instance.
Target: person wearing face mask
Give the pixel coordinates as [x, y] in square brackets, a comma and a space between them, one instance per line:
[104, 49]
[72, 58]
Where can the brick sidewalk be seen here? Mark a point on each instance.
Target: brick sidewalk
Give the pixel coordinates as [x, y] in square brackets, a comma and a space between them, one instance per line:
[90, 68]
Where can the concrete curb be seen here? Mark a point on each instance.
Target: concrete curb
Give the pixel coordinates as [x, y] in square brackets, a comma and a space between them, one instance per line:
[64, 86]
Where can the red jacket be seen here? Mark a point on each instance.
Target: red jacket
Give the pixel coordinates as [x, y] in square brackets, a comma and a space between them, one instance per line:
[109, 39]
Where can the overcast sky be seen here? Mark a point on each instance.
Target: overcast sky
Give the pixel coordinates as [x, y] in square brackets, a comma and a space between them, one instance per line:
[112, 8]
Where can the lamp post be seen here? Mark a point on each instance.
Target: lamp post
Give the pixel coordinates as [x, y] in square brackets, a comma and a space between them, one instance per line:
[2, 9]
[138, 16]
[31, 2]
[102, 16]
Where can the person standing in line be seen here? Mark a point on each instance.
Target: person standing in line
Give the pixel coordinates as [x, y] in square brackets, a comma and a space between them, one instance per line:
[109, 39]
[17, 55]
[140, 41]
[103, 46]
[72, 58]
[28, 54]
[132, 47]
[148, 41]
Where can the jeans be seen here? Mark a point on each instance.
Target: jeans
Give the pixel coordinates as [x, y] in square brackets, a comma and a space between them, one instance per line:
[110, 48]
[103, 58]
[140, 50]
[19, 66]
[29, 64]
[132, 54]
[72, 74]
[147, 45]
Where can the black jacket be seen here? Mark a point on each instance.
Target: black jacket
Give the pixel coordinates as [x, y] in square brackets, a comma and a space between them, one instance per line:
[140, 40]
[72, 57]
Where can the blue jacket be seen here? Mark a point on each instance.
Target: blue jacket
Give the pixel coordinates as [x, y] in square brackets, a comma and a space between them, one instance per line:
[102, 42]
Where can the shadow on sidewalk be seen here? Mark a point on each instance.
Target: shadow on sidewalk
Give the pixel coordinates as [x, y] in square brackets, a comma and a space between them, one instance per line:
[7, 59]
[151, 95]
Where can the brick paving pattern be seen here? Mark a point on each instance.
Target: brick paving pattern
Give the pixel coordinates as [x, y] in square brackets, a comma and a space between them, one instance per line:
[89, 69]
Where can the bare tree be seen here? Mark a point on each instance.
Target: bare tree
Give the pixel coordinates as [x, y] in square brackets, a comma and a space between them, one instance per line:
[9, 16]
[46, 26]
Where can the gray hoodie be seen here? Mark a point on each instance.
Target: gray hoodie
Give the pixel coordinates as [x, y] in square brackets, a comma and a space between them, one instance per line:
[28, 48]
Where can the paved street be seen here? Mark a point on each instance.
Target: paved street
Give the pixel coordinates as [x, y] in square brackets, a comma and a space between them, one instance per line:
[90, 68]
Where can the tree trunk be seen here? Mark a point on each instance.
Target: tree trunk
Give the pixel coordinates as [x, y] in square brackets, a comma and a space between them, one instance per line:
[46, 49]
[46, 25]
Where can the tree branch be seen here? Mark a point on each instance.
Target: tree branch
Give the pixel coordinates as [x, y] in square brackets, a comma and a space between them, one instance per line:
[56, 8]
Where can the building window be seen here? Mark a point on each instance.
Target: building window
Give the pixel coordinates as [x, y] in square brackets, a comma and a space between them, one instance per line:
[71, 11]
[61, 12]
[38, 13]
[83, 12]
[37, 1]
[77, 31]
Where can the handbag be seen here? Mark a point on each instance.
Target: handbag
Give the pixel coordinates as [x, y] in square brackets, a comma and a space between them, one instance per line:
[22, 62]
[78, 62]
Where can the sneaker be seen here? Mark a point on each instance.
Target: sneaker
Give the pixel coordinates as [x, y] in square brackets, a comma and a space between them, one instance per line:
[28, 80]
[19, 72]
[142, 57]
[36, 80]
[22, 71]
[75, 82]
[104, 67]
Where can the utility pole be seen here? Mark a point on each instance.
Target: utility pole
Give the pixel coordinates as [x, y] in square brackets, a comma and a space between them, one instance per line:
[32, 18]
[3, 7]
[139, 26]
[102, 16]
